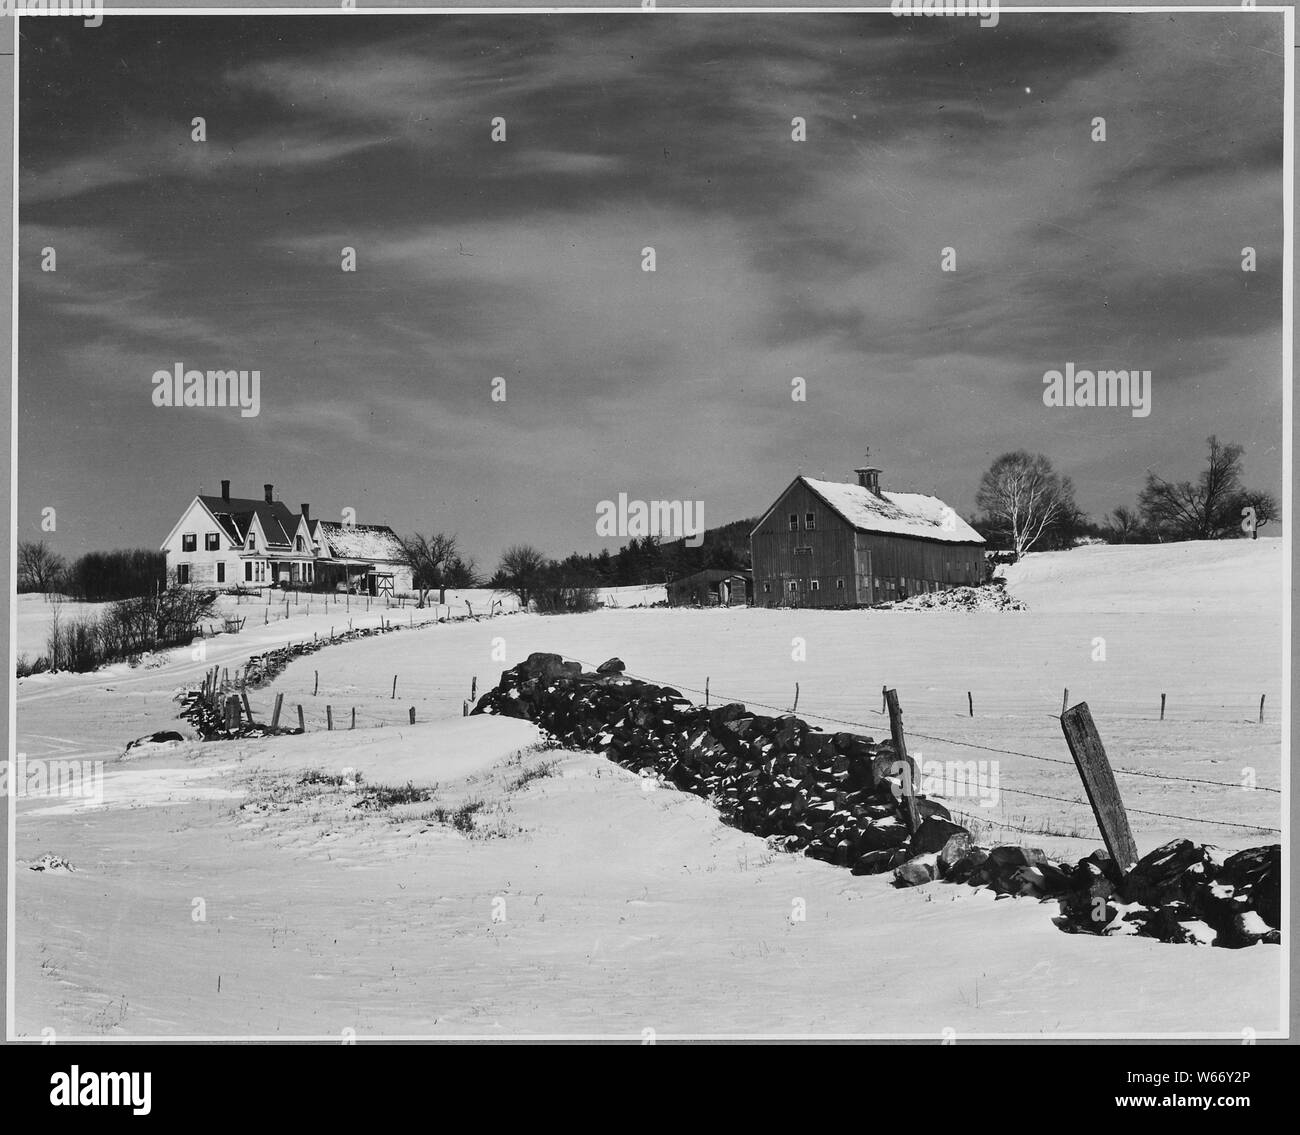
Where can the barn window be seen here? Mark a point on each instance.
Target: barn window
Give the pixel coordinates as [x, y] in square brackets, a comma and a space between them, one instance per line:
[794, 522]
[767, 587]
[810, 520]
[221, 572]
[189, 542]
[803, 550]
[182, 573]
[793, 585]
[211, 542]
[816, 585]
[839, 585]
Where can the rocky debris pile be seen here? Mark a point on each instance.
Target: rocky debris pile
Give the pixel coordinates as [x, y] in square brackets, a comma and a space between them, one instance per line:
[839, 797]
[49, 862]
[1180, 892]
[958, 599]
[162, 737]
[835, 796]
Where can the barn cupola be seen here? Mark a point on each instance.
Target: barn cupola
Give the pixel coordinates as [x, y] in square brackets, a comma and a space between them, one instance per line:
[869, 478]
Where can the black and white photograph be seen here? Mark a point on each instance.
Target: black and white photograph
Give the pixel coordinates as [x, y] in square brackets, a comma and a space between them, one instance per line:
[650, 525]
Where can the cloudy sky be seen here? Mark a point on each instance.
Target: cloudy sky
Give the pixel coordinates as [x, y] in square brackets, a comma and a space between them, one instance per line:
[522, 259]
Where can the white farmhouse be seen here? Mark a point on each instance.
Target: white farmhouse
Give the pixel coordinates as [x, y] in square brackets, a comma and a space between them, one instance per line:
[230, 541]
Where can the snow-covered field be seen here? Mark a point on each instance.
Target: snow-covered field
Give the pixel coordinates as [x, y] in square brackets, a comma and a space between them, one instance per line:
[579, 903]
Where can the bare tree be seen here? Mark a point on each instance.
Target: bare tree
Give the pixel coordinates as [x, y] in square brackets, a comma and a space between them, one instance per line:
[428, 557]
[522, 571]
[1023, 497]
[1123, 526]
[39, 567]
[1211, 508]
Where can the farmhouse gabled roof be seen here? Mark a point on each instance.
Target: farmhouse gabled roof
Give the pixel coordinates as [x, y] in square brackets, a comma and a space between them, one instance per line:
[366, 542]
[236, 514]
[894, 514]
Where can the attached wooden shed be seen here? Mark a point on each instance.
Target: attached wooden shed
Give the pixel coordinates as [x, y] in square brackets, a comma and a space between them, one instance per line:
[830, 544]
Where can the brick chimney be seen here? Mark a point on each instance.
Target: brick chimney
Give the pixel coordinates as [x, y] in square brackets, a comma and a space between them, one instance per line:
[268, 489]
[225, 491]
[869, 478]
[306, 511]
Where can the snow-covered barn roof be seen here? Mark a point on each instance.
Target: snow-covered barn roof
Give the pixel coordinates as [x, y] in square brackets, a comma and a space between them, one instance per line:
[369, 542]
[897, 514]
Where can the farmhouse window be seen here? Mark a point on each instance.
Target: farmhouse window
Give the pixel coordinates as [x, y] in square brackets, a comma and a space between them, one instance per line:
[794, 522]
[794, 585]
[810, 521]
[252, 541]
[182, 573]
[189, 542]
[248, 571]
[816, 585]
[221, 572]
[299, 545]
[211, 542]
[767, 587]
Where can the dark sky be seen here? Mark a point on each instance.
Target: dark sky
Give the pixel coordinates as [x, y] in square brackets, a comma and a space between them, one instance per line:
[775, 259]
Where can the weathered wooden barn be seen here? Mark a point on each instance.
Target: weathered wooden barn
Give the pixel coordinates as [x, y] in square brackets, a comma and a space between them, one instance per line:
[827, 544]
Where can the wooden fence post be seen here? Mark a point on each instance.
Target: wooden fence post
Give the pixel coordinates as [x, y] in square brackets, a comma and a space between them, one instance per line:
[232, 713]
[412, 715]
[795, 707]
[706, 693]
[1099, 783]
[316, 688]
[473, 689]
[354, 718]
[329, 717]
[1162, 707]
[900, 754]
[275, 715]
[970, 704]
[248, 709]
[464, 708]
[302, 725]
[1261, 708]
[1065, 698]
[394, 697]
[884, 700]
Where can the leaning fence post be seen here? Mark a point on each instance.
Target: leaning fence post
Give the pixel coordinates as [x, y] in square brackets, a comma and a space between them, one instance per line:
[464, 708]
[248, 709]
[970, 704]
[394, 697]
[1261, 708]
[316, 688]
[900, 754]
[275, 715]
[1065, 698]
[794, 708]
[1099, 783]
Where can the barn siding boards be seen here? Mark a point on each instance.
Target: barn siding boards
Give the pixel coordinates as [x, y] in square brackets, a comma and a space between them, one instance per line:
[832, 557]
[876, 567]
